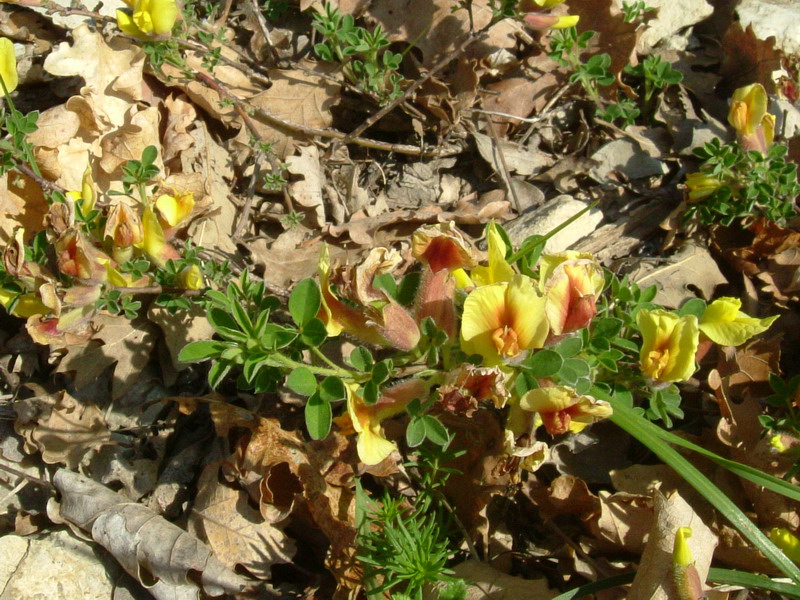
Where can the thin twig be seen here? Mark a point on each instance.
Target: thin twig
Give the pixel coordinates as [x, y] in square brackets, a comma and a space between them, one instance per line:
[247, 208]
[45, 184]
[154, 290]
[31, 478]
[506, 173]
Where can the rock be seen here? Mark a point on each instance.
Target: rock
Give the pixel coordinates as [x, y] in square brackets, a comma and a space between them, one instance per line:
[542, 220]
[780, 18]
[57, 566]
[625, 157]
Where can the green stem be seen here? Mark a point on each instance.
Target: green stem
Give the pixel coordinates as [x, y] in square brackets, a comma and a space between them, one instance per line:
[281, 360]
[321, 355]
[15, 115]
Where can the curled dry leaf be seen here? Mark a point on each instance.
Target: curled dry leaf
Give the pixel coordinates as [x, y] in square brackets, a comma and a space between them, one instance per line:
[484, 581]
[235, 531]
[159, 554]
[62, 428]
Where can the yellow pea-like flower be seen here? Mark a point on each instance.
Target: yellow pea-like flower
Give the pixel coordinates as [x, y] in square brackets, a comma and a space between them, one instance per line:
[724, 324]
[669, 345]
[148, 17]
[8, 65]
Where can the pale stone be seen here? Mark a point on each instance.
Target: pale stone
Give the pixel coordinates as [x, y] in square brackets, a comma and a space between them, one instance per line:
[780, 18]
[547, 217]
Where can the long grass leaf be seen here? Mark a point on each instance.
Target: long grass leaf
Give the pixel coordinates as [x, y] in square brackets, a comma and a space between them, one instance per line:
[749, 581]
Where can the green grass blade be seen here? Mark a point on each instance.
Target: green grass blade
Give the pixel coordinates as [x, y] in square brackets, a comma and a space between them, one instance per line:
[770, 482]
[640, 428]
[750, 581]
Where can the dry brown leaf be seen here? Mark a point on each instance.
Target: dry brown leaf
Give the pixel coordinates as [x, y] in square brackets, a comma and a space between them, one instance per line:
[181, 115]
[299, 97]
[157, 553]
[654, 577]
[624, 521]
[112, 71]
[56, 126]
[119, 340]
[234, 530]
[307, 190]
[62, 428]
[677, 277]
[22, 204]
[436, 28]
[748, 59]
[484, 582]
[514, 96]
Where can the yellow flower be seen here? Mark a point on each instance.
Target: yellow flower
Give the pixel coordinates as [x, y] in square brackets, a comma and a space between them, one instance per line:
[755, 127]
[78, 258]
[503, 320]
[498, 269]
[724, 324]
[190, 278]
[154, 243]
[787, 542]
[701, 185]
[571, 282]
[372, 445]
[8, 65]
[562, 409]
[148, 17]
[669, 344]
[748, 107]
[687, 580]
[174, 209]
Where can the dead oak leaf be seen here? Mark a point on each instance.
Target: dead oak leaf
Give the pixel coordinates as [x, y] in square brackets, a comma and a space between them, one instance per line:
[127, 343]
[112, 71]
[62, 428]
[235, 531]
[298, 97]
[22, 204]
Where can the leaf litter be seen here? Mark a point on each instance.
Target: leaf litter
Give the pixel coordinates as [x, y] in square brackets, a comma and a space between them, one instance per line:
[223, 494]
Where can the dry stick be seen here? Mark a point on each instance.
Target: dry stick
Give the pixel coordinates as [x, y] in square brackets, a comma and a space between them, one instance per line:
[262, 25]
[64, 10]
[375, 117]
[506, 174]
[45, 184]
[154, 290]
[247, 207]
[31, 478]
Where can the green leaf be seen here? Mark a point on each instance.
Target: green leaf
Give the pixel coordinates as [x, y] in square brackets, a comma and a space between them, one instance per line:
[569, 347]
[606, 327]
[694, 306]
[318, 417]
[435, 431]
[202, 350]
[652, 437]
[332, 389]
[544, 363]
[217, 373]
[371, 392]
[149, 155]
[314, 332]
[750, 581]
[415, 432]
[361, 359]
[305, 302]
[302, 381]
[381, 371]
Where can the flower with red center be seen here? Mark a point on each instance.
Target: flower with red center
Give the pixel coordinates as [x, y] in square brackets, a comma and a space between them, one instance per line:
[468, 385]
[442, 246]
[502, 321]
[571, 282]
[124, 230]
[669, 344]
[562, 409]
[77, 258]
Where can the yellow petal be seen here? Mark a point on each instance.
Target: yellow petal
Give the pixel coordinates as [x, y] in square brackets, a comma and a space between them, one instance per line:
[8, 65]
[174, 209]
[681, 554]
[724, 324]
[566, 21]
[373, 447]
[482, 315]
[154, 241]
[748, 107]
[190, 278]
[527, 313]
[498, 269]
[164, 14]
[87, 190]
[786, 541]
[126, 24]
[548, 3]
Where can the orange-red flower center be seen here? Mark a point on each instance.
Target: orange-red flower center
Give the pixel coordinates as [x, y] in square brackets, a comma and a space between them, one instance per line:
[506, 341]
